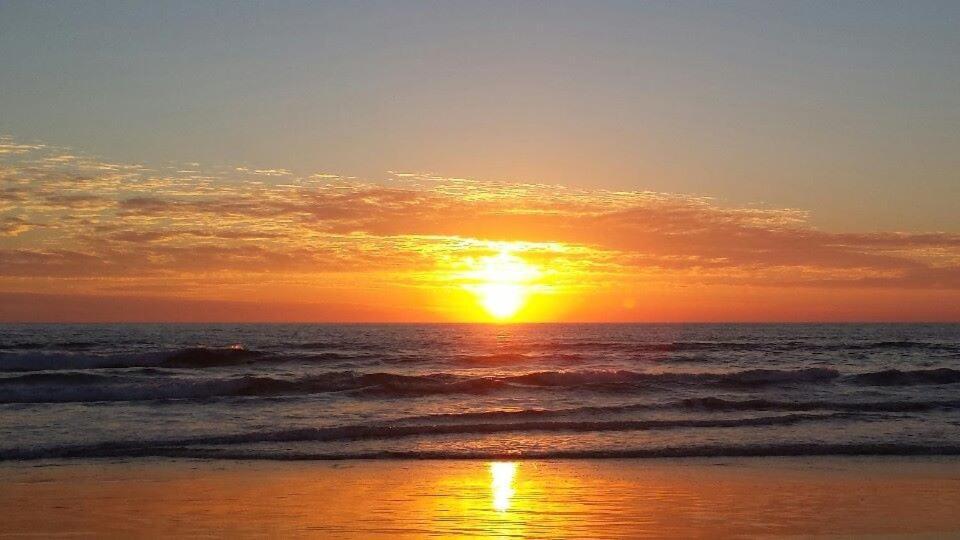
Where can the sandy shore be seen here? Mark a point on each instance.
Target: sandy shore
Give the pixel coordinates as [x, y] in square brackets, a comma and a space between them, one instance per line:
[713, 498]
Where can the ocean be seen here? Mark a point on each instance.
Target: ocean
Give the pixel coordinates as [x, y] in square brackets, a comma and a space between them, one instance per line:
[310, 391]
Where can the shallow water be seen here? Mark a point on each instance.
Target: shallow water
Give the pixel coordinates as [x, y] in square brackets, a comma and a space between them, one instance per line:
[848, 497]
[448, 391]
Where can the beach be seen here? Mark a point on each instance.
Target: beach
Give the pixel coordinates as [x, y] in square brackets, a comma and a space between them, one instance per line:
[521, 431]
[832, 497]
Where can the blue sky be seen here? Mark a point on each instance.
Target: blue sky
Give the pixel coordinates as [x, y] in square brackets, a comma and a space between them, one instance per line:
[849, 110]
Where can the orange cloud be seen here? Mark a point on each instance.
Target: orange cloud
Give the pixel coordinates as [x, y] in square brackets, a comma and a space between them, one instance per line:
[75, 227]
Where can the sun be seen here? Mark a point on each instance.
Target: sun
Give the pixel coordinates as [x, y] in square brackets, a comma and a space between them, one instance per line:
[501, 283]
[502, 300]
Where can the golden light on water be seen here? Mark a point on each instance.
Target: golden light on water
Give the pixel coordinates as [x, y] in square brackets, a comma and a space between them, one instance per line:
[502, 283]
[501, 484]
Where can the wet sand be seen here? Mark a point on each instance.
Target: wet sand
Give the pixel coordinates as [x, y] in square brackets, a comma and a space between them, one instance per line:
[708, 498]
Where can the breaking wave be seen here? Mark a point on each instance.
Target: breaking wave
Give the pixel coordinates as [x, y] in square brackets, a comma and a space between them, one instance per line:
[78, 386]
[691, 451]
[399, 430]
[187, 358]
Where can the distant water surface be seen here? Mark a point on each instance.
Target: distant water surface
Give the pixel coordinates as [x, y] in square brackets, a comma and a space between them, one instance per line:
[484, 391]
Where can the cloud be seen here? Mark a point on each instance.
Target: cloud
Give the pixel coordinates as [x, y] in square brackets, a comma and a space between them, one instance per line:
[9, 146]
[68, 217]
[14, 226]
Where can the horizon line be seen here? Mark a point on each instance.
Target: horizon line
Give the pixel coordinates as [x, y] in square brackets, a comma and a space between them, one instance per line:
[486, 323]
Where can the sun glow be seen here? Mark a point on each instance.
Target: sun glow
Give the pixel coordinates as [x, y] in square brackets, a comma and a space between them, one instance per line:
[502, 283]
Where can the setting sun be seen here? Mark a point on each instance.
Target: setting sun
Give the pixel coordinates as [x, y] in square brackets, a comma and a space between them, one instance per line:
[502, 283]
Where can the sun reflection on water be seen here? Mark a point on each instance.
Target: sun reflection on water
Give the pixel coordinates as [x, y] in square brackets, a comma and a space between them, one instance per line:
[501, 484]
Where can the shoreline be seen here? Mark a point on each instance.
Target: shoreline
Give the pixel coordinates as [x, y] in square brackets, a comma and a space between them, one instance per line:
[613, 498]
[798, 450]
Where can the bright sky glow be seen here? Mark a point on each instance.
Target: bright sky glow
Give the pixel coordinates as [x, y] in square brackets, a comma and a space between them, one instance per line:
[502, 283]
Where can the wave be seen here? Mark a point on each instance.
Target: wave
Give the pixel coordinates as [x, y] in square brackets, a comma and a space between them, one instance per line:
[351, 345]
[735, 346]
[62, 387]
[708, 404]
[905, 344]
[692, 451]
[78, 386]
[896, 377]
[48, 388]
[66, 345]
[202, 357]
[189, 357]
[749, 378]
[509, 358]
[367, 432]
[700, 451]
[75, 355]
[57, 377]
[718, 404]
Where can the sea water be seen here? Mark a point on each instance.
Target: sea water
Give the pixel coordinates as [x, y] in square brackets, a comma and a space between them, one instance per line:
[477, 391]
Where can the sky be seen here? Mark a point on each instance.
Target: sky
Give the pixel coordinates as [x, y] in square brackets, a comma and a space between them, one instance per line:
[446, 161]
